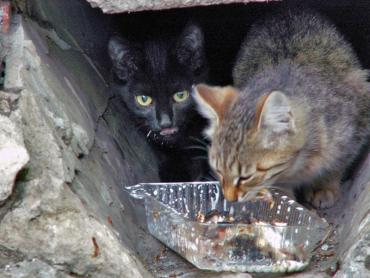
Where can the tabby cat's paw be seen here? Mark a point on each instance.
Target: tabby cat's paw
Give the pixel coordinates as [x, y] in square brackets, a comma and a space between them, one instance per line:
[323, 198]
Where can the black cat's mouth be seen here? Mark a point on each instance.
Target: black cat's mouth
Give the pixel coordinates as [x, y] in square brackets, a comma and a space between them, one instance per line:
[167, 137]
[169, 131]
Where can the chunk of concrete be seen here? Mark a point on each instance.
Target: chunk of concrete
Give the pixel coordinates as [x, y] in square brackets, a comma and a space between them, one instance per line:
[119, 6]
[13, 155]
[52, 127]
[12, 159]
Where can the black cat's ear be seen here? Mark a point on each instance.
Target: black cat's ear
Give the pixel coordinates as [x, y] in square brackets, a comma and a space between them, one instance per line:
[190, 46]
[123, 57]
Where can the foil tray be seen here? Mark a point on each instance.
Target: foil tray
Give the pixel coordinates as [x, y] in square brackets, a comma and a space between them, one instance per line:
[277, 236]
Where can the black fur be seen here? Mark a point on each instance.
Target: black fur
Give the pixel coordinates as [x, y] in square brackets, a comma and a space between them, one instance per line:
[158, 63]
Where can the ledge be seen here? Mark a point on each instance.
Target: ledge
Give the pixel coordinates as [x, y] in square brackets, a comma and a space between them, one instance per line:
[121, 6]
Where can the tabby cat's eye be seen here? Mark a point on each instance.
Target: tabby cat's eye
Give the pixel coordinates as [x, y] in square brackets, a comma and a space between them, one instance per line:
[144, 100]
[267, 168]
[244, 179]
[181, 96]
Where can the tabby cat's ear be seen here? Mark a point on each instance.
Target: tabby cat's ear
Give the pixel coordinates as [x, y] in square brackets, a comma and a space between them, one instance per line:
[213, 103]
[189, 50]
[123, 57]
[274, 114]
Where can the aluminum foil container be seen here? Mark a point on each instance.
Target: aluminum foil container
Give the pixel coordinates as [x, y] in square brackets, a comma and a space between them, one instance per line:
[277, 235]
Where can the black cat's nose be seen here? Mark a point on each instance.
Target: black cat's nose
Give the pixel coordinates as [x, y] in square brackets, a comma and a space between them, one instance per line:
[165, 121]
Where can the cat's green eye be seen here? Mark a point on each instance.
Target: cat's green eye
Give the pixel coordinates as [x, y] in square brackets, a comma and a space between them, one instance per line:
[181, 96]
[144, 100]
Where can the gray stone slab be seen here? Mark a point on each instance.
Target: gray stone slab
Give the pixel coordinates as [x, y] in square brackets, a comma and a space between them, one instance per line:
[120, 6]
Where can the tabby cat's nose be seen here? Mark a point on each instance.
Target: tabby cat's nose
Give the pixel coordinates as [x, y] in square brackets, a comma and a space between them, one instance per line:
[230, 192]
[165, 121]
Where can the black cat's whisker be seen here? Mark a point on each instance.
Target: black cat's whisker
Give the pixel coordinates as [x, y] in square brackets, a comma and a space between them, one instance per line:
[140, 126]
[148, 134]
[198, 141]
[196, 147]
[199, 158]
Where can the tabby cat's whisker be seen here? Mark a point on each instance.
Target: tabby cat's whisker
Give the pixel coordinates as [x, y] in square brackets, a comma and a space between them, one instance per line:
[212, 175]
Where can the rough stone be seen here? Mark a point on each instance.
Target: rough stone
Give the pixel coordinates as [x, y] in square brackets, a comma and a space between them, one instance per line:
[355, 228]
[120, 6]
[48, 220]
[31, 268]
[13, 155]
[11, 53]
[51, 223]
[12, 159]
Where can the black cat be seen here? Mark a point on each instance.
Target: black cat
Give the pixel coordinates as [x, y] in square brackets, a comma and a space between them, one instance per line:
[153, 73]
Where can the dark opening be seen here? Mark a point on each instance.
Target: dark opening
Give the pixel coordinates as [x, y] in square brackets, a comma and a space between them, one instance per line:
[2, 74]
[224, 27]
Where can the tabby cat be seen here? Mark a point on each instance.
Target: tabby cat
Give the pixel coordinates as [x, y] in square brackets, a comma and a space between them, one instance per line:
[298, 116]
[153, 72]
